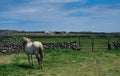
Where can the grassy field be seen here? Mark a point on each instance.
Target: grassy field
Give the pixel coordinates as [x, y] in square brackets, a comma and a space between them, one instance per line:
[61, 62]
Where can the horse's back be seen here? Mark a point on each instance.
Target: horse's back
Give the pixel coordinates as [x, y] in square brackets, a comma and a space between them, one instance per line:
[37, 44]
[39, 47]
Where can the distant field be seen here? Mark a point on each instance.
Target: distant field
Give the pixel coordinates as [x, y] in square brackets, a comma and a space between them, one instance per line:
[61, 62]
[83, 40]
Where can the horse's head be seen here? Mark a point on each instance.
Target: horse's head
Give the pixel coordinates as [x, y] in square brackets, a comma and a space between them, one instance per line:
[26, 40]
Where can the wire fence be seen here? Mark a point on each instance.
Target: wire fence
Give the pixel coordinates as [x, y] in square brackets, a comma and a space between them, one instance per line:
[99, 43]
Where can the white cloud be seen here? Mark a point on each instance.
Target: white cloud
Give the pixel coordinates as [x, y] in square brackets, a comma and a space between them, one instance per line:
[59, 1]
[5, 21]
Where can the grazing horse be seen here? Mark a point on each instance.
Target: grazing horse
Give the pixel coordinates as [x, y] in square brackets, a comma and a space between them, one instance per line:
[34, 48]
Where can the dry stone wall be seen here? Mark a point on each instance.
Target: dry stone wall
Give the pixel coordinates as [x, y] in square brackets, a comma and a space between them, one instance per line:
[62, 45]
[114, 45]
[14, 45]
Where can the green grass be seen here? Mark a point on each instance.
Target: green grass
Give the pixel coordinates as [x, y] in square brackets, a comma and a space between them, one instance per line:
[57, 39]
[61, 62]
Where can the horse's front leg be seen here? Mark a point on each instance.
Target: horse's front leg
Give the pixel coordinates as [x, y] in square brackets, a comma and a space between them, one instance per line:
[32, 60]
[41, 61]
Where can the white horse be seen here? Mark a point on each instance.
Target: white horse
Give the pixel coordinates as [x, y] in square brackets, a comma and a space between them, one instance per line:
[34, 48]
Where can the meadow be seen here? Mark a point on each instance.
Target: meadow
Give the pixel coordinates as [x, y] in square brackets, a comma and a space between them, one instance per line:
[64, 62]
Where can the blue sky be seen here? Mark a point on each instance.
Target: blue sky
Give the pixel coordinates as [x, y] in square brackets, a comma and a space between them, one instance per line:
[60, 15]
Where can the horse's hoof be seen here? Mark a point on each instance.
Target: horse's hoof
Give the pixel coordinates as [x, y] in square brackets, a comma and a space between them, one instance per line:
[40, 68]
[32, 67]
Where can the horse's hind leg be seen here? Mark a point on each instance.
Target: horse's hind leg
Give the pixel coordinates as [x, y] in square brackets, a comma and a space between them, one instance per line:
[41, 60]
[38, 59]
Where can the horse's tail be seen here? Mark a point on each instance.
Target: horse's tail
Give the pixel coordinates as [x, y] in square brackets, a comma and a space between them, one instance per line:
[41, 51]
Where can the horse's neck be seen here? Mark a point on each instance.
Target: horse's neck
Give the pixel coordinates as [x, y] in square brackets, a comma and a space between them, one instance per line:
[29, 42]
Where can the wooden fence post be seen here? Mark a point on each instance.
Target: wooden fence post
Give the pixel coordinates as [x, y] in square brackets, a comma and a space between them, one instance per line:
[109, 45]
[79, 41]
[92, 43]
